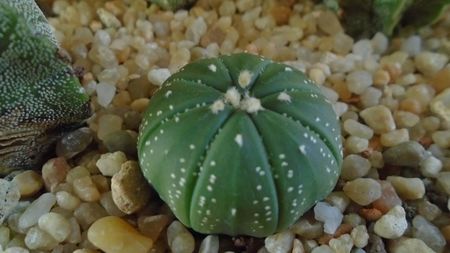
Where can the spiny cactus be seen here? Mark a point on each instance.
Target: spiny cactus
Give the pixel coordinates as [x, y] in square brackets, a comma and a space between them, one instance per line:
[40, 97]
[240, 145]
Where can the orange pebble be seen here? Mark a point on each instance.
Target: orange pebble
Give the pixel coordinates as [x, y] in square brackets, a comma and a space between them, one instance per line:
[343, 229]
[411, 105]
[370, 214]
[446, 233]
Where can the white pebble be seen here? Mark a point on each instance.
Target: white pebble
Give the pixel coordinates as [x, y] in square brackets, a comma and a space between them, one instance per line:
[393, 224]
[105, 93]
[331, 216]
[358, 81]
[39, 207]
[210, 244]
[280, 242]
[109, 163]
[55, 225]
[412, 45]
[158, 76]
[431, 166]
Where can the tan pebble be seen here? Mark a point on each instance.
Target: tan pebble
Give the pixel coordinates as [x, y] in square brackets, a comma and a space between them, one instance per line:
[406, 119]
[179, 238]
[67, 201]
[329, 23]
[393, 224]
[323, 249]
[379, 118]
[85, 251]
[56, 225]
[130, 190]
[360, 236]
[443, 181]
[114, 235]
[77, 172]
[140, 104]
[407, 188]
[297, 246]
[363, 191]
[394, 137]
[108, 123]
[54, 172]
[342, 244]
[109, 163]
[152, 226]
[281, 14]
[88, 213]
[441, 80]
[446, 232]
[354, 144]
[280, 242]
[411, 245]
[429, 63]
[29, 183]
[441, 138]
[381, 77]
[440, 105]
[102, 183]
[308, 229]
[411, 105]
[39, 239]
[107, 202]
[85, 189]
[370, 214]
[388, 199]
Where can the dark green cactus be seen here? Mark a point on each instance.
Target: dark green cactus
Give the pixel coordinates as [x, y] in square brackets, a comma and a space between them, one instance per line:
[240, 145]
[40, 97]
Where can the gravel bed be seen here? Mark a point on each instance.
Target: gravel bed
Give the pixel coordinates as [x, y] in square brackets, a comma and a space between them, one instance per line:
[392, 97]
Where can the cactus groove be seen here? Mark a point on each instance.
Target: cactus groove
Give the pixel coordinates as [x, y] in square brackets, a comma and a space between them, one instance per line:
[240, 145]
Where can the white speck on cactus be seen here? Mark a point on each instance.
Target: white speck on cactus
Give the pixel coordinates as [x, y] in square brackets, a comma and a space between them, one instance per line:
[282, 156]
[238, 139]
[217, 106]
[258, 187]
[244, 79]
[212, 163]
[233, 211]
[168, 93]
[287, 69]
[302, 149]
[212, 67]
[283, 96]
[233, 97]
[251, 105]
[192, 146]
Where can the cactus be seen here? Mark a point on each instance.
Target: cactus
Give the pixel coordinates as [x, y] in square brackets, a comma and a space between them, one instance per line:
[40, 97]
[240, 145]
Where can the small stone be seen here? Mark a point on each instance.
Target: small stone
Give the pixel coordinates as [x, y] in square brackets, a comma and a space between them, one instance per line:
[108, 19]
[443, 181]
[342, 244]
[354, 166]
[74, 142]
[16, 250]
[339, 200]
[308, 229]
[67, 200]
[440, 80]
[85, 189]
[196, 30]
[39, 207]
[130, 190]
[5, 233]
[406, 119]
[394, 137]
[412, 45]
[56, 225]
[109, 164]
[411, 245]
[39, 239]
[297, 246]
[76, 173]
[108, 123]
[75, 231]
[107, 202]
[360, 236]
[54, 172]
[354, 144]
[329, 23]
[407, 188]
[355, 128]
[88, 213]
[393, 224]
[152, 226]
[380, 43]
[122, 141]
[376, 244]
[428, 210]
[389, 198]
[179, 238]
[280, 242]
[441, 138]
[114, 235]
[409, 154]
[331, 216]
[105, 93]
[158, 76]
[342, 43]
[363, 48]
[431, 166]
[102, 183]
[429, 63]
[371, 97]
[9, 198]
[29, 183]
[440, 105]
[363, 191]
[358, 81]
[323, 249]
[379, 118]
[210, 244]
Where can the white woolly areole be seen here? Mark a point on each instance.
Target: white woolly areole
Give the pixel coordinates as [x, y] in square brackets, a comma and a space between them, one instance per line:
[217, 106]
[283, 96]
[212, 67]
[251, 105]
[244, 78]
[233, 97]
[238, 139]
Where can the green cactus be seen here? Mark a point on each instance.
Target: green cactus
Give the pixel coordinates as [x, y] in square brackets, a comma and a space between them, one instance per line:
[40, 97]
[173, 4]
[240, 145]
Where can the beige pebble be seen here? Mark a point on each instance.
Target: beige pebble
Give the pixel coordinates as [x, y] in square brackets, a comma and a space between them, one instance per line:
[342, 244]
[56, 225]
[67, 201]
[77, 172]
[280, 242]
[355, 128]
[54, 172]
[37, 239]
[443, 181]
[360, 236]
[440, 105]
[442, 138]
[393, 224]
[179, 238]
[114, 235]
[130, 190]
[429, 63]
[109, 163]
[85, 189]
[140, 104]
[411, 245]
[394, 137]
[354, 166]
[152, 226]
[379, 118]
[407, 188]
[354, 144]
[297, 246]
[363, 191]
[29, 183]
[406, 119]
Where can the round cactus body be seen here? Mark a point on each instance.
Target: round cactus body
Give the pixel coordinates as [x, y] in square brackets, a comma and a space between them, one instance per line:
[240, 145]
